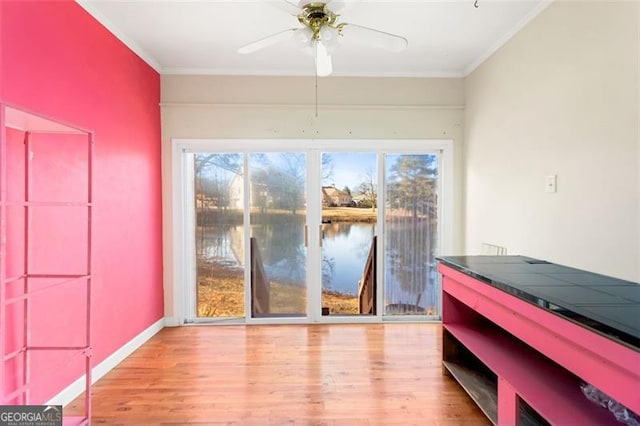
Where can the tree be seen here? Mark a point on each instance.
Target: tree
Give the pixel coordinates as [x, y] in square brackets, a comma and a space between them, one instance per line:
[368, 188]
[412, 183]
[411, 195]
[212, 174]
[281, 178]
[327, 167]
[294, 171]
[229, 162]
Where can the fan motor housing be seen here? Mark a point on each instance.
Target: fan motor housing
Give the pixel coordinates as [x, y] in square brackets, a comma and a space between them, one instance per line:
[316, 14]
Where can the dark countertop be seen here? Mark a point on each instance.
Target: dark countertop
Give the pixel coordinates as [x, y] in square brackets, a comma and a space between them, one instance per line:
[608, 305]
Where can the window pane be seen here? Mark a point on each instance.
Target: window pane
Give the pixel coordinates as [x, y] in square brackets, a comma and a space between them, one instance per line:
[278, 219]
[218, 190]
[349, 214]
[411, 223]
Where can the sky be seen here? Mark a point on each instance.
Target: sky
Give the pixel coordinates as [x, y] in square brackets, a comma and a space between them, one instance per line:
[350, 169]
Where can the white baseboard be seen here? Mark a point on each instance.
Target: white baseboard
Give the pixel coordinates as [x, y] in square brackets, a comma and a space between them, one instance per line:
[171, 322]
[76, 388]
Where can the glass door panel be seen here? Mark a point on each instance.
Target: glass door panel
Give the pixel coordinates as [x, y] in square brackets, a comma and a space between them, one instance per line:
[295, 234]
[278, 221]
[219, 235]
[349, 215]
[411, 223]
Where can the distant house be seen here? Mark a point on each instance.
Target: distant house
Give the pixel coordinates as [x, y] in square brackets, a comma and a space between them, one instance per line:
[360, 199]
[333, 197]
[259, 195]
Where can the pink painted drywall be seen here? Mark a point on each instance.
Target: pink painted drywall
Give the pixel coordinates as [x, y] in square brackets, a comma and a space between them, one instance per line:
[56, 60]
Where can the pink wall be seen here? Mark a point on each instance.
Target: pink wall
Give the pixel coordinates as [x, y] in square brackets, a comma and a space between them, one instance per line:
[56, 60]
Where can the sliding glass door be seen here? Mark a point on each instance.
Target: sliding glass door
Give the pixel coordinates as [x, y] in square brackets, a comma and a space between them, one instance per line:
[249, 223]
[311, 234]
[277, 220]
[411, 234]
[348, 232]
[218, 229]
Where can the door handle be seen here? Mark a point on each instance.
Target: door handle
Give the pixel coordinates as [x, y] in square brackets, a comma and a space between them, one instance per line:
[321, 235]
[306, 236]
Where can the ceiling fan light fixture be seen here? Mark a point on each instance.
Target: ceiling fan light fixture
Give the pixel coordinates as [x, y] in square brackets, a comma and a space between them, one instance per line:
[304, 36]
[329, 36]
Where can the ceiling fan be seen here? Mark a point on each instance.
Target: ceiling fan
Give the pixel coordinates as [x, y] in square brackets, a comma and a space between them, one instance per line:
[321, 32]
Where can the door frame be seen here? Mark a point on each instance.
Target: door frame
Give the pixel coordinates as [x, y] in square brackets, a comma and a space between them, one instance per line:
[183, 246]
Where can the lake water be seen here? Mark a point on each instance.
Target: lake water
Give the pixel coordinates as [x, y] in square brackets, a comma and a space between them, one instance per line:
[409, 268]
[345, 248]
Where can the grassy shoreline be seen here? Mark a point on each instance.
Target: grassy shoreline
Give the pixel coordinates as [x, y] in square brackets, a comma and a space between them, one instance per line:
[338, 214]
[221, 294]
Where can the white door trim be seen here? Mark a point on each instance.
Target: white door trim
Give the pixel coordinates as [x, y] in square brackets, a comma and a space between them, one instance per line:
[182, 217]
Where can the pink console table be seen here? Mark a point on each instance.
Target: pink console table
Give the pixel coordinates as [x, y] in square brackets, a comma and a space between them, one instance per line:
[522, 335]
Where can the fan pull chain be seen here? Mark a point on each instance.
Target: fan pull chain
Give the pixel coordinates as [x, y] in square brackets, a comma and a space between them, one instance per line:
[316, 92]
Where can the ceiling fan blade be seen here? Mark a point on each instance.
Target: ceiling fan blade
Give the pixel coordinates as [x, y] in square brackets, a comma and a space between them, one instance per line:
[267, 41]
[324, 67]
[376, 38]
[338, 5]
[286, 6]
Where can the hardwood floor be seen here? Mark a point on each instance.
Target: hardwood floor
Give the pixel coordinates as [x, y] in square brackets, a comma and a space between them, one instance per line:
[352, 375]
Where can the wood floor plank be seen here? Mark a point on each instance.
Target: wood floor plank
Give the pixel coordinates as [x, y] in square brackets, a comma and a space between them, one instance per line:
[334, 375]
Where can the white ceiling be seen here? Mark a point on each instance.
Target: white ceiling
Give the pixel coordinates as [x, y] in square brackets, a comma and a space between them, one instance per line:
[447, 38]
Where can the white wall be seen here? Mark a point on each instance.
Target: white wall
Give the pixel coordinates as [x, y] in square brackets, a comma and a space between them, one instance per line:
[561, 97]
[284, 108]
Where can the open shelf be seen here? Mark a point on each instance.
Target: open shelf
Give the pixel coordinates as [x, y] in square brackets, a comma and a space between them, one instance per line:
[481, 388]
[47, 204]
[45, 257]
[504, 353]
[19, 119]
[484, 392]
[550, 390]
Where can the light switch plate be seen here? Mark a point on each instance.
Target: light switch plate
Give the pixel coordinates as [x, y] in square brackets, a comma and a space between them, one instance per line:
[550, 183]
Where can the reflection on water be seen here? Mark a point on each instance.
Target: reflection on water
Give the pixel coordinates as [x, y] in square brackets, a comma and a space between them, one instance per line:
[410, 266]
[281, 243]
[345, 247]
[409, 277]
